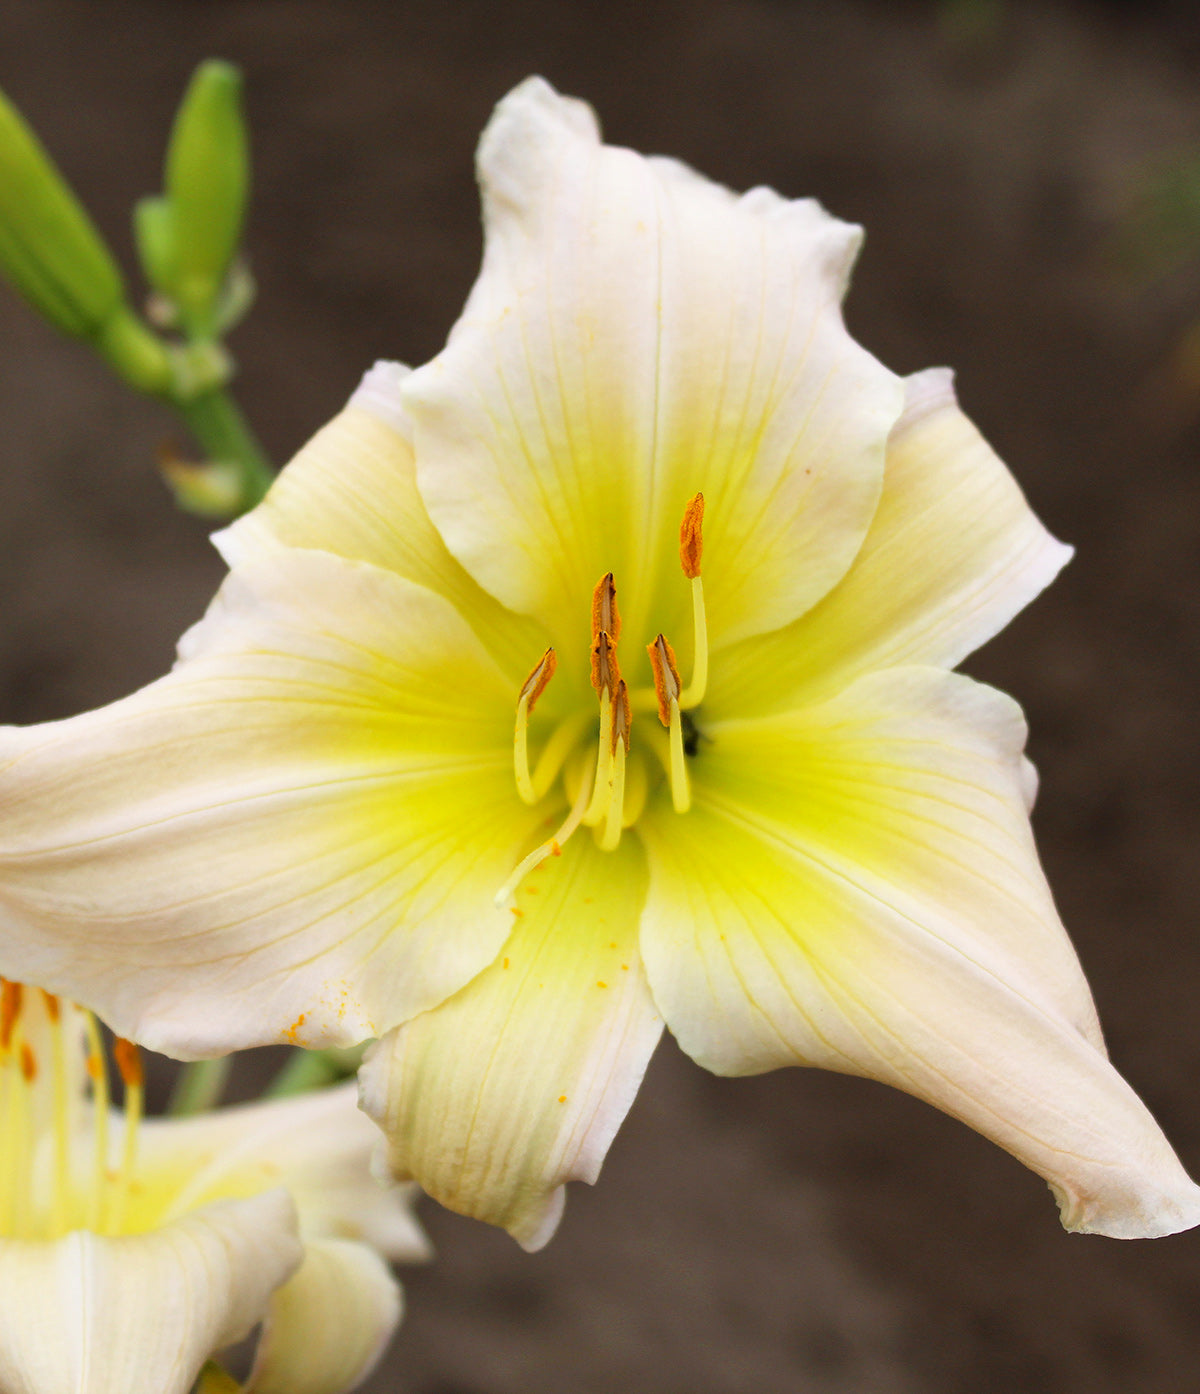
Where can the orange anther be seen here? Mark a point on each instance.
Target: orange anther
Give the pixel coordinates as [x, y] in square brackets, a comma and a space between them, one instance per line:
[10, 1010]
[622, 716]
[605, 617]
[129, 1061]
[535, 684]
[691, 542]
[666, 677]
[606, 671]
[52, 1007]
[28, 1063]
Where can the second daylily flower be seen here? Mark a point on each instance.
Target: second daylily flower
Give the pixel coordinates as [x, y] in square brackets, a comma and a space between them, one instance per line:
[131, 1250]
[654, 502]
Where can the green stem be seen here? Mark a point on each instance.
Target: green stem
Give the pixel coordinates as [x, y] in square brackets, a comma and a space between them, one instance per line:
[199, 1086]
[314, 1069]
[216, 421]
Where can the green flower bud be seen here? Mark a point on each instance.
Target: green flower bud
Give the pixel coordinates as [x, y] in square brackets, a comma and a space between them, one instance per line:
[49, 249]
[153, 230]
[188, 248]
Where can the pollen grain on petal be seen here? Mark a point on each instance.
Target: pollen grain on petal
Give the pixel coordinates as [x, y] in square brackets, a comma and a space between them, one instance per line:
[691, 540]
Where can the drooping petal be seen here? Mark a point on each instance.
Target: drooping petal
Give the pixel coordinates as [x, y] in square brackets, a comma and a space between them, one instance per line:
[328, 1325]
[352, 491]
[88, 1314]
[953, 553]
[319, 1145]
[516, 1085]
[638, 335]
[295, 835]
[856, 887]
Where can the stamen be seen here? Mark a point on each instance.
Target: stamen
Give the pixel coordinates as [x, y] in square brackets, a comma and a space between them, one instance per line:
[637, 785]
[129, 1063]
[63, 1121]
[622, 717]
[14, 1156]
[666, 685]
[552, 847]
[614, 812]
[691, 545]
[691, 537]
[97, 1069]
[10, 1010]
[666, 677]
[606, 671]
[605, 617]
[535, 684]
[604, 761]
[606, 678]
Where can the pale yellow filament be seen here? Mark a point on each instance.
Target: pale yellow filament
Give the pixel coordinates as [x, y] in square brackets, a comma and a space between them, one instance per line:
[521, 752]
[693, 694]
[61, 1206]
[98, 1073]
[681, 791]
[609, 834]
[602, 790]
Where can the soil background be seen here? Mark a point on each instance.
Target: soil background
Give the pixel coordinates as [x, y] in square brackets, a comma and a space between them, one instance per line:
[799, 1231]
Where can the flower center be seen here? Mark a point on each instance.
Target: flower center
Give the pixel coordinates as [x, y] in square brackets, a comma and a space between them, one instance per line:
[607, 790]
[59, 1168]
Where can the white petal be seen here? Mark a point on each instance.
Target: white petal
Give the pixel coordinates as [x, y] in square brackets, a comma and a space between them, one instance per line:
[352, 491]
[88, 1314]
[319, 1145]
[296, 835]
[328, 1325]
[638, 335]
[856, 887]
[518, 1084]
[953, 553]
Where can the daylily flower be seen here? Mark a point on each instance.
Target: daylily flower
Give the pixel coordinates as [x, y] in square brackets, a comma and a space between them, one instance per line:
[131, 1250]
[654, 504]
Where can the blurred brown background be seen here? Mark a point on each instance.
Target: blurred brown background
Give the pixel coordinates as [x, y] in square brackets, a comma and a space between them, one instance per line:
[797, 1232]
